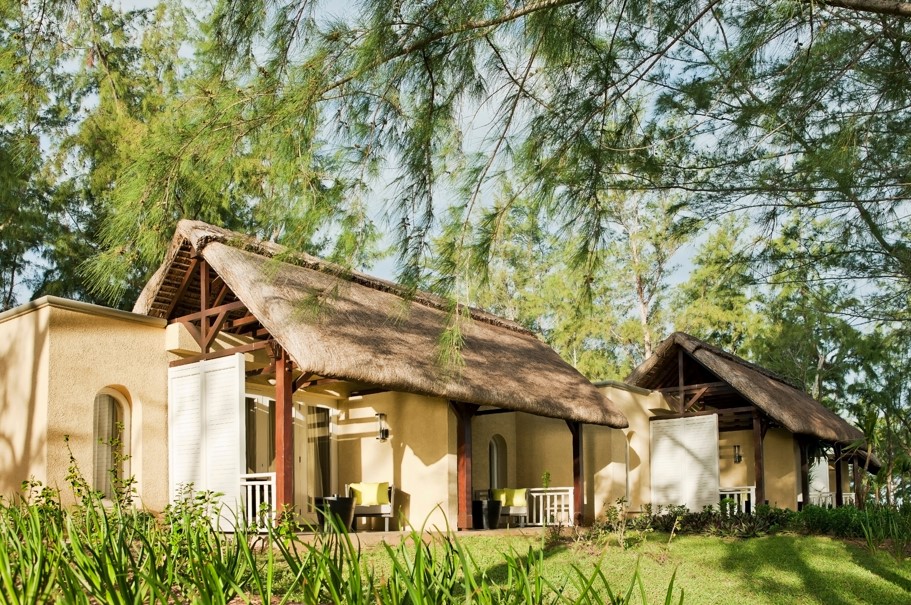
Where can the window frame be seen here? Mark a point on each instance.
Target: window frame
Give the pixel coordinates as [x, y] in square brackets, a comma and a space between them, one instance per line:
[123, 416]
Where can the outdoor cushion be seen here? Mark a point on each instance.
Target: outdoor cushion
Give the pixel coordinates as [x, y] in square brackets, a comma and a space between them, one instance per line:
[510, 497]
[370, 494]
[516, 497]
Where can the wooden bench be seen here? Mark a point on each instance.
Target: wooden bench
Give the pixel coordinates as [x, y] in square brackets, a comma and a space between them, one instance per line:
[386, 511]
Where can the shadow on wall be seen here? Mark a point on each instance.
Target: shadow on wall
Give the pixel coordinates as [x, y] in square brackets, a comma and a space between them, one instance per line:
[23, 426]
[412, 458]
[351, 462]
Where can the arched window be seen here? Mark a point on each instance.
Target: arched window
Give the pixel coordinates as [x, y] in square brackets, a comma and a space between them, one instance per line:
[111, 440]
[497, 452]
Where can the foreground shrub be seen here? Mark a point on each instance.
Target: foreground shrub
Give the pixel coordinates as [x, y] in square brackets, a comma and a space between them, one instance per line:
[887, 527]
[843, 522]
[882, 527]
[102, 552]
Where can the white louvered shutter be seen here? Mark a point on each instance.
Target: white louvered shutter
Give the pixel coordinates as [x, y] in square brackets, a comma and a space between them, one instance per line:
[701, 438]
[223, 394]
[186, 456]
[684, 461]
[206, 429]
[666, 465]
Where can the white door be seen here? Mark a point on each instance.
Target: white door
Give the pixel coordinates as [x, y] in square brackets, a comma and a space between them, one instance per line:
[684, 461]
[206, 432]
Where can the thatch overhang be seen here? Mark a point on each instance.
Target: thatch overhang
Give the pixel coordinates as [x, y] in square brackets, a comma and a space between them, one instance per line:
[781, 401]
[355, 327]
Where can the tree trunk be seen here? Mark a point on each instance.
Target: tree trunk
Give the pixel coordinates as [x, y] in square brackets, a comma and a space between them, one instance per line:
[643, 316]
[889, 483]
[817, 379]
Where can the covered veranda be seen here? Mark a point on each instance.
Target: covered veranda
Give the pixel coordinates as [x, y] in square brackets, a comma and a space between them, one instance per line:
[770, 441]
[304, 328]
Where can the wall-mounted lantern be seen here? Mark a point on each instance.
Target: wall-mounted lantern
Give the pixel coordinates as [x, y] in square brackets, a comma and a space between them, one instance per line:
[738, 457]
[382, 429]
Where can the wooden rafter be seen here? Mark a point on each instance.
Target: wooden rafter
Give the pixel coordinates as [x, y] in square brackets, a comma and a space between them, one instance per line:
[665, 376]
[193, 330]
[205, 334]
[214, 329]
[692, 388]
[247, 348]
[303, 381]
[191, 270]
[680, 379]
[204, 305]
[222, 293]
[241, 322]
[695, 398]
[268, 370]
[231, 306]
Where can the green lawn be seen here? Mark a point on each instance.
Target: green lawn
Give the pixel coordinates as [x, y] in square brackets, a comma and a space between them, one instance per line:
[775, 569]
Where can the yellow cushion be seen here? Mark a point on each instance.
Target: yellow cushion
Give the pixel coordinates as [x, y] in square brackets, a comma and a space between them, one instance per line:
[516, 497]
[510, 496]
[370, 494]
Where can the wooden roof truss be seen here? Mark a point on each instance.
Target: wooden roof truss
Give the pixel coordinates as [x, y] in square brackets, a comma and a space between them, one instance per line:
[196, 297]
[693, 390]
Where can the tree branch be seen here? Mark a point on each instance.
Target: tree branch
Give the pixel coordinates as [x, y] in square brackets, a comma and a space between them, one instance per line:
[464, 27]
[882, 7]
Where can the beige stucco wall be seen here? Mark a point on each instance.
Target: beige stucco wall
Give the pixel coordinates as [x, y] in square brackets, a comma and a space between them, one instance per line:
[419, 457]
[602, 481]
[57, 355]
[543, 444]
[536, 444]
[89, 352]
[483, 429]
[732, 474]
[24, 355]
[636, 404]
[781, 461]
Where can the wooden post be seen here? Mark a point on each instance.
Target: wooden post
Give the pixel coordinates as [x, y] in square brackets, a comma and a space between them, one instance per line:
[204, 304]
[284, 433]
[802, 445]
[757, 458]
[578, 494]
[680, 379]
[463, 412]
[839, 477]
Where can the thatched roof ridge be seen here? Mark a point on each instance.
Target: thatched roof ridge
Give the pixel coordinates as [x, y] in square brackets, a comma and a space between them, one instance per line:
[353, 326]
[791, 407]
[198, 235]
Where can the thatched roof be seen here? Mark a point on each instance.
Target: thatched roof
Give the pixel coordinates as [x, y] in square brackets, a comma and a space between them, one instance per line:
[352, 326]
[789, 406]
